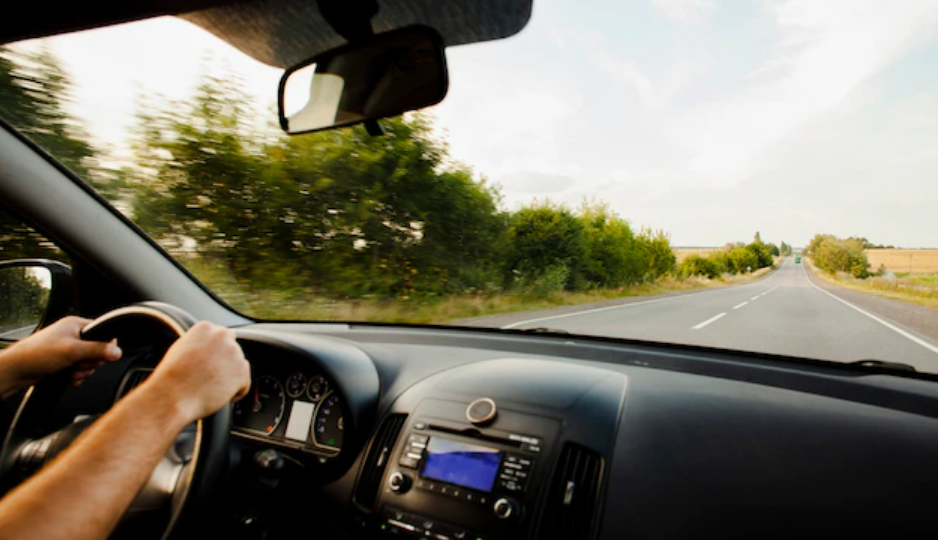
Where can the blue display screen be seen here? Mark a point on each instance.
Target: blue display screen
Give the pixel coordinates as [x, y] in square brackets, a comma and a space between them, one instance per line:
[462, 464]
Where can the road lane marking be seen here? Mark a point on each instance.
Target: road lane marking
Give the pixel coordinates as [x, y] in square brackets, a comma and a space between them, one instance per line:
[740, 305]
[888, 325]
[710, 320]
[16, 330]
[754, 298]
[642, 303]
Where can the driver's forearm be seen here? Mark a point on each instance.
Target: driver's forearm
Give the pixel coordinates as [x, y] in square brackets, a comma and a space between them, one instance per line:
[84, 491]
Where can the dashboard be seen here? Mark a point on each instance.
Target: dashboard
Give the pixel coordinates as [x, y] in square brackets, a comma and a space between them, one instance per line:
[447, 434]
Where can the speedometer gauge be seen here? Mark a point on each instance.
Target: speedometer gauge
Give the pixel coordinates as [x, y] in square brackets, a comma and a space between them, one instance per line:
[262, 409]
[329, 426]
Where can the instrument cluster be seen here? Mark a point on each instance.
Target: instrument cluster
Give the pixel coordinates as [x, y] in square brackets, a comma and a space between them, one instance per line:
[300, 409]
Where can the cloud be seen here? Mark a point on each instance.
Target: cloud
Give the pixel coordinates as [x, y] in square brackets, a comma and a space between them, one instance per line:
[536, 183]
[685, 10]
[826, 49]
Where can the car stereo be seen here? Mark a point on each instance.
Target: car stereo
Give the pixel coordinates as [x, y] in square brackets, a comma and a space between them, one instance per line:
[449, 481]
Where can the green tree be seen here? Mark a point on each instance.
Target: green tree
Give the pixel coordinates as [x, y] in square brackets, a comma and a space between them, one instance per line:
[613, 258]
[743, 260]
[658, 258]
[695, 265]
[24, 298]
[34, 96]
[544, 238]
[834, 255]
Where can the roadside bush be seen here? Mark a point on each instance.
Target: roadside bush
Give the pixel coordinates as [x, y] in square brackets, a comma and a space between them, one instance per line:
[763, 254]
[743, 260]
[543, 236]
[613, 257]
[695, 265]
[841, 255]
[655, 247]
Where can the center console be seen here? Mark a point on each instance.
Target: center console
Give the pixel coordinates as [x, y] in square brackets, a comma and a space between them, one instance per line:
[449, 478]
[494, 450]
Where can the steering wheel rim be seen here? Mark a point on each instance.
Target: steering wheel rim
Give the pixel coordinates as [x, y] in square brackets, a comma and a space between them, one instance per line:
[210, 448]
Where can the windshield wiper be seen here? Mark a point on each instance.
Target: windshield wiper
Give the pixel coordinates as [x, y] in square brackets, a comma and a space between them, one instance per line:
[884, 366]
[543, 330]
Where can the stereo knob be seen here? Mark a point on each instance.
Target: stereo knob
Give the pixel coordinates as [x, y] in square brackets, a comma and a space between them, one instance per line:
[505, 508]
[399, 482]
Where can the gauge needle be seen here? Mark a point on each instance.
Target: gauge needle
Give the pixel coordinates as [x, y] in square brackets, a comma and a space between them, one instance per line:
[257, 401]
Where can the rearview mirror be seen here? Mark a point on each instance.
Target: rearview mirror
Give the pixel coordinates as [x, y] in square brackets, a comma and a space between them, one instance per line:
[33, 293]
[387, 75]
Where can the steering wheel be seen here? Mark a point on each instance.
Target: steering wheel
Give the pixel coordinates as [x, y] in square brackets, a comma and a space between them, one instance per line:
[184, 477]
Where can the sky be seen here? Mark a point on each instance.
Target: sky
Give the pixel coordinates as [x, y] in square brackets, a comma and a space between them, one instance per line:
[710, 120]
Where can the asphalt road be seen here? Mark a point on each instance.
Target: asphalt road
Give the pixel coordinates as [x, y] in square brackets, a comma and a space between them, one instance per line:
[784, 313]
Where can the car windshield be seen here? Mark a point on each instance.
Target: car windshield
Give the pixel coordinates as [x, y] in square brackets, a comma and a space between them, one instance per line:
[757, 176]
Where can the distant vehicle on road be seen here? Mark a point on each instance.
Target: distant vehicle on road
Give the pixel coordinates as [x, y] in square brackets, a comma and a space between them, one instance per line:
[797, 260]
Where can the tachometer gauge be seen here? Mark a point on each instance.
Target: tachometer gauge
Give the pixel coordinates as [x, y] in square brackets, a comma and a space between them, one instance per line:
[329, 426]
[262, 409]
[318, 387]
[296, 385]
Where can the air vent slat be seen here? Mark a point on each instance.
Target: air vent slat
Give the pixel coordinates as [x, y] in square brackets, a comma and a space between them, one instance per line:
[376, 460]
[570, 512]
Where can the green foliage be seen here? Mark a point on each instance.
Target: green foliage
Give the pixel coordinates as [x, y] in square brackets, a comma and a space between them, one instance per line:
[743, 260]
[34, 93]
[24, 298]
[785, 249]
[614, 258]
[657, 256]
[762, 253]
[338, 213]
[774, 250]
[695, 265]
[544, 236]
[833, 255]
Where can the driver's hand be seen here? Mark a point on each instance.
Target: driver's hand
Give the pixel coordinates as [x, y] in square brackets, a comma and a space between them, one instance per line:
[51, 350]
[202, 372]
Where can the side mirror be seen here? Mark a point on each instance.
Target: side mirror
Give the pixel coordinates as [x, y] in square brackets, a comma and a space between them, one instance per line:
[387, 75]
[33, 294]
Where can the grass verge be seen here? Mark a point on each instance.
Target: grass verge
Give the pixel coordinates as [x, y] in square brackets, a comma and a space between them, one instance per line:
[306, 305]
[914, 289]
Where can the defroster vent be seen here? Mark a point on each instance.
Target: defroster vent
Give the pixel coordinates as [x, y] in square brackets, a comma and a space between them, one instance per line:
[570, 511]
[376, 461]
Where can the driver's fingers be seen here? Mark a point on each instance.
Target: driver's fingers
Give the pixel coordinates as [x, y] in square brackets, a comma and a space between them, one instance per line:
[246, 379]
[95, 350]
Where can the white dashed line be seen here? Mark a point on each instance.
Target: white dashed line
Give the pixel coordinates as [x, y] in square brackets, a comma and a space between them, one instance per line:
[773, 275]
[740, 305]
[754, 298]
[708, 321]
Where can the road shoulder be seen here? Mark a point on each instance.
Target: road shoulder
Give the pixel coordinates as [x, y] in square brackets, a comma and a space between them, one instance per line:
[920, 319]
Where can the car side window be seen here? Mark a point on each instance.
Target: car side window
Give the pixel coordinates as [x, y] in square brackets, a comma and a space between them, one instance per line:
[24, 291]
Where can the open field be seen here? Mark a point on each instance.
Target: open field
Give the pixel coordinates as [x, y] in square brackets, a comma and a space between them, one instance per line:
[904, 261]
[921, 289]
[683, 253]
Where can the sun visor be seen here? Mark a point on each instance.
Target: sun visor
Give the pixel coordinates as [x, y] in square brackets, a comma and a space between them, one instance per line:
[283, 33]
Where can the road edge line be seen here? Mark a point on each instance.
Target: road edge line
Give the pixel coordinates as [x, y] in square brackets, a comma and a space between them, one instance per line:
[888, 325]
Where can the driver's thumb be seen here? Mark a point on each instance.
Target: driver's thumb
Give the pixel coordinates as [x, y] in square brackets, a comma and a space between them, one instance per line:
[98, 350]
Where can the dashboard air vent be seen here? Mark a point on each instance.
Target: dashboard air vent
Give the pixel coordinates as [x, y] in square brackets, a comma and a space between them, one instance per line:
[376, 461]
[570, 511]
